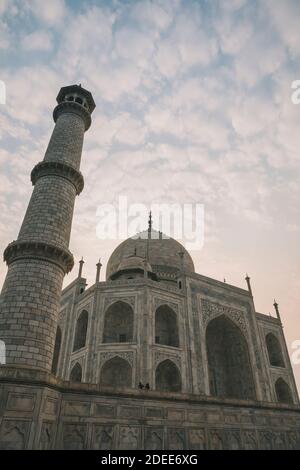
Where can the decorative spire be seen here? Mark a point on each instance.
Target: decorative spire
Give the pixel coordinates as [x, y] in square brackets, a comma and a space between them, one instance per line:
[81, 263]
[247, 278]
[276, 307]
[98, 265]
[149, 235]
[150, 222]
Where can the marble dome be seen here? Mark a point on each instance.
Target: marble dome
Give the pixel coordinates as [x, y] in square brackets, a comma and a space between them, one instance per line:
[163, 253]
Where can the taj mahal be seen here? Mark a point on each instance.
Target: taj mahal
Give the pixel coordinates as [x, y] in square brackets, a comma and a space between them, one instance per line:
[157, 356]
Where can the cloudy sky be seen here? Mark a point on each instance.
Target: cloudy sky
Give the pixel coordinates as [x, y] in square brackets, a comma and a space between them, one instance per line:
[193, 106]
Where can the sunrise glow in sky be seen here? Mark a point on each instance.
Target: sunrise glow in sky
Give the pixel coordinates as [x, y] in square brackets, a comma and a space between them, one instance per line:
[193, 106]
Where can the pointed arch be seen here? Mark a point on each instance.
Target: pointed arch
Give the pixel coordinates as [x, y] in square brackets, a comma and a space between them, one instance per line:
[230, 371]
[116, 372]
[167, 377]
[81, 331]
[274, 351]
[283, 391]
[118, 323]
[166, 326]
[76, 373]
[57, 346]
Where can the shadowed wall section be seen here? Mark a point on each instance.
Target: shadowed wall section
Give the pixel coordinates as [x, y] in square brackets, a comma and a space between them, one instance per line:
[116, 372]
[230, 373]
[118, 323]
[81, 330]
[166, 326]
[274, 351]
[283, 392]
[167, 377]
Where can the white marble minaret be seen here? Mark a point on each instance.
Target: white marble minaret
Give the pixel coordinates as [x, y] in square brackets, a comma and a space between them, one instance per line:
[39, 258]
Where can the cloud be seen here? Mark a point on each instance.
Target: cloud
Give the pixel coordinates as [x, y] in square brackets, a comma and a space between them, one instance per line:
[31, 94]
[193, 104]
[134, 45]
[4, 36]
[154, 15]
[285, 17]
[50, 13]
[3, 6]
[38, 40]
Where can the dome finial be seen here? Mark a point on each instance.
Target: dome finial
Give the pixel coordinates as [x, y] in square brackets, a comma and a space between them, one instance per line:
[150, 222]
[149, 235]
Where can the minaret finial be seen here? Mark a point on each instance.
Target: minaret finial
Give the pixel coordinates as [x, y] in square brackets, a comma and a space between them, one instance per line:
[98, 266]
[150, 222]
[81, 263]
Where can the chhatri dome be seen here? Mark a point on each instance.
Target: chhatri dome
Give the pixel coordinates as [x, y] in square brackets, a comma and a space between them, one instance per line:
[165, 256]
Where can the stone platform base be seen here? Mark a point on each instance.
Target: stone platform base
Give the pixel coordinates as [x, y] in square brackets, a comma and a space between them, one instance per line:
[39, 411]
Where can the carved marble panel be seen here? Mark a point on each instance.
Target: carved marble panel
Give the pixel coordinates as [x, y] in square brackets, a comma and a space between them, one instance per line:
[176, 439]
[127, 299]
[279, 441]
[233, 439]
[77, 408]
[154, 413]
[74, 436]
[105, 411]
[158, 301]
[47, 436]
[250, 440]
[103, 437]
[212, 310]
[154, 438]
[127, 355]
[13, 434]
[216, 439]
[51, 406]
[196, 416]
[160, 356]
[293, 440]
[130, 412]
[265, 440]
[20, 401]
[197, 439]
[129, 438]
[174, 414]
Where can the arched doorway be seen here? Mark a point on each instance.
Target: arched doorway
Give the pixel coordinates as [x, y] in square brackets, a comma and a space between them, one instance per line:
[230, 371]
[81, 331]
[76, 373]
[118, 323]
[283, 391]
[116, 372]
[274, 351]
[166, 326]
[56, 351]
[167, 377]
